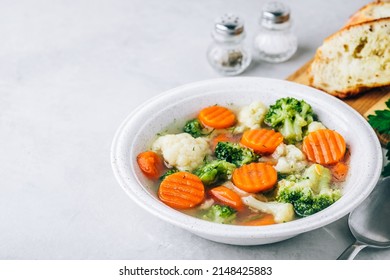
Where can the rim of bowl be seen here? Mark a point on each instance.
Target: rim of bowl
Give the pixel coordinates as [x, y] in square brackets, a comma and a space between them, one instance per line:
[196, 225]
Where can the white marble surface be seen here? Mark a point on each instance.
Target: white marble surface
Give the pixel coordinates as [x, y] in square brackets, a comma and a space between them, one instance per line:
[70, 72]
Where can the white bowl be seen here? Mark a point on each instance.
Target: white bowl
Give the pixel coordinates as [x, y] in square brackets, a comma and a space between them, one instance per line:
[142, 125]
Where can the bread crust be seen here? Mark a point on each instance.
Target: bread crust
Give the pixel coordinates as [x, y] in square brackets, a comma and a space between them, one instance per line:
[348, 27]
[361, 14]
[352, 89]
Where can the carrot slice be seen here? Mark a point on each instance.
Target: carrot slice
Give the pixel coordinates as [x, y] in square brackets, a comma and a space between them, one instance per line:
[217, 117]
[181, 190]
[339, 171]
[267, 219]
[262, 141]
[324, 146]
[255, 177]
[227, 197]
[150, 164]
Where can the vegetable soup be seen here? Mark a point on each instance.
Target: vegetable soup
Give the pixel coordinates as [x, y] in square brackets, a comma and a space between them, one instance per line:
[253, 166]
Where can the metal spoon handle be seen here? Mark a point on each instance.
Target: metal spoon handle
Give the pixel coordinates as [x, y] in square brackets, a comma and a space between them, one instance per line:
[351, 252]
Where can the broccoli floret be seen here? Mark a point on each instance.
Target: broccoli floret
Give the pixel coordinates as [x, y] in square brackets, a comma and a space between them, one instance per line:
[220, 214]
[169, 172]
[195, 128]
[234, 153]
[282, 212]
[214, 171]
[309, 193]
[290, 117]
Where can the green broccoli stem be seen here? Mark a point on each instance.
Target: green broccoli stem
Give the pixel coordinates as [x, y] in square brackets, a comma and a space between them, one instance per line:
[221, 214]
[214, 171]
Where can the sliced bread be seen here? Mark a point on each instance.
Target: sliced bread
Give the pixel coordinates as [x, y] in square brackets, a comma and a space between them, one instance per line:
[371, 11]
[353, 59]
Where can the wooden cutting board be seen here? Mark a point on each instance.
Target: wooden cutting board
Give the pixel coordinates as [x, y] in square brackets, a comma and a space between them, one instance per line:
[365, 103]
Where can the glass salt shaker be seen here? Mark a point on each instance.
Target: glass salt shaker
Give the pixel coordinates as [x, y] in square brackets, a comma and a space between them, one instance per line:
[228, 55]
[275, 41]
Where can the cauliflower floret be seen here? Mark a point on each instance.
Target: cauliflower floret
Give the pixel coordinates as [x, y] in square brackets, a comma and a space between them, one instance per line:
[290, 159]
[230, 185]
[182, 150]
[282, 212]
[315, 126]
[251, 116]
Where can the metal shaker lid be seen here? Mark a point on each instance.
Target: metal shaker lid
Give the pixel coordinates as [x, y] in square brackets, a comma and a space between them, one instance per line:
[275, 12]
[229, 25]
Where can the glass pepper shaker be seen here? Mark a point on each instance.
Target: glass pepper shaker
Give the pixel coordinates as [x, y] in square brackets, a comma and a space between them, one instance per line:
[227, 54]
[275, 41]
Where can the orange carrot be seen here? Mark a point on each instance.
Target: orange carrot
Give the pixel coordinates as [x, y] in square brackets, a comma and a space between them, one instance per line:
[324, 146]
[181, 190]
[227, 197]
[255, 177]
[265, 220]
[217, 117]
[150, 164]
[262, 141]
[339, 171]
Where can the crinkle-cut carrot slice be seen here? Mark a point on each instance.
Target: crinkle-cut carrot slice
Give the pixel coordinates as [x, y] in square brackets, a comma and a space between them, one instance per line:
[181, 190]
[217, 117]
[262, 141]
[255, 177]
[324, 146]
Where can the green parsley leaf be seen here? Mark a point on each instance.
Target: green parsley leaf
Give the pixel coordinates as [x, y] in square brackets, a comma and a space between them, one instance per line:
[381, 122]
